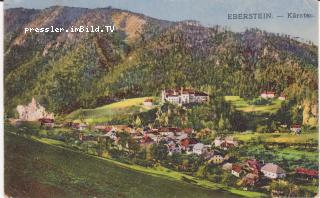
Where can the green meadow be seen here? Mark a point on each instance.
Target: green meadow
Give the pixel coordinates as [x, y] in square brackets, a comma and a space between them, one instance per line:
[242, 105]
[289, 138]
[117, 110]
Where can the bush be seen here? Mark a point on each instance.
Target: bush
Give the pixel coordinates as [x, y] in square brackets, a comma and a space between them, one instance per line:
[260, 101]
[144, 163]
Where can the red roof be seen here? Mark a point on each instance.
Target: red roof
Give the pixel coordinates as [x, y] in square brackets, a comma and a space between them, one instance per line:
[305, 171]
[295, 126]
[188, 130]
[253, 163]
[107, 129]
[185, 142]
[227, 144]
[236, 168]
[170, 92]
[46, 120]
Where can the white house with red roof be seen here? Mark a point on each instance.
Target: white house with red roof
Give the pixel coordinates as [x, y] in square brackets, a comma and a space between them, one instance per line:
[236, 170]
[273, 171]
[296, 128]
[267, 94]
[148, 102]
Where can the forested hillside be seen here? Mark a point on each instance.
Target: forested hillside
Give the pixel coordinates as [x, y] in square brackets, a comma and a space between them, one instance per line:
[67, 71]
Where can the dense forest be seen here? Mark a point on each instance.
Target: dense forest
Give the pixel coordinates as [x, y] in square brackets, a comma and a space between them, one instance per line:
[67, 71]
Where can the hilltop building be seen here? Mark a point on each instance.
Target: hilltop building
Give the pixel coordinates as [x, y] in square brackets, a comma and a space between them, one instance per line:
[33, 112]
[183, 96]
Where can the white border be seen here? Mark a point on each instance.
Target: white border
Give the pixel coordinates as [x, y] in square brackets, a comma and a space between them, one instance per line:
[1, 101]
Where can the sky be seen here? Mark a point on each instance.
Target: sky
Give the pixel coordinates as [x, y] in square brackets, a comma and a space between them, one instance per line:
[208, 12]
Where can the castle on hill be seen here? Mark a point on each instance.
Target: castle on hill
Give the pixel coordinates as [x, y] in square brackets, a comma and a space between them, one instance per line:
[183, 96]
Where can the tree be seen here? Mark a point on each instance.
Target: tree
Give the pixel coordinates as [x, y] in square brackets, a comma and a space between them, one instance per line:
[202, 171]
[124, 139]
[159, 151]
[133, 146]
[137, 122]
[221, 124]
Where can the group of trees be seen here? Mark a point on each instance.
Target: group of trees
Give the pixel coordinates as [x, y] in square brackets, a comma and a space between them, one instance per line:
[215, 115]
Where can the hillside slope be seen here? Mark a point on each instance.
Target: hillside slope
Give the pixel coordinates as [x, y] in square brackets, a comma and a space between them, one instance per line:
[63, 173]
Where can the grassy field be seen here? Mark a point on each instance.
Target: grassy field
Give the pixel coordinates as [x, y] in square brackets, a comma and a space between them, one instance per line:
[279, 137]
[295, 154]
[243, 105]
[108, 112]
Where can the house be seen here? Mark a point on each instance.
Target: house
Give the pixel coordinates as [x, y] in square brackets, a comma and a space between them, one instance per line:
[148, 102]
[236, 170]
[183, 96]
[47, 122]
[282, 97]
[184, 143]
[227, 167]
[216, 159]
[217, 141]
[226, 143]
[122, 127]
[199, 149]
[112, 135]
[273, 171]
[168, 131]
[253, 165]
[267, 94]
[82, 126]
[296, 128]
[79, 126]
[250, 179]
[307, 172]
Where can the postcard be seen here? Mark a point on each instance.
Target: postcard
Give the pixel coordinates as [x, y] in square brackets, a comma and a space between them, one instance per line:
[161, 98]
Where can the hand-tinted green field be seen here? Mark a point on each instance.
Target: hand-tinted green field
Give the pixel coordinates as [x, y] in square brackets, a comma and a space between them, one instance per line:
[243, 105]
[289, 138]
[33, 169]
[112, 111]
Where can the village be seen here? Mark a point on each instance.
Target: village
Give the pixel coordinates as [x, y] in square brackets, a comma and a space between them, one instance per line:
[248, 172]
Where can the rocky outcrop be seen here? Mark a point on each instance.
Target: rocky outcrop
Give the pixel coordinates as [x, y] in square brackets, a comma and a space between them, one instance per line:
[33, 111]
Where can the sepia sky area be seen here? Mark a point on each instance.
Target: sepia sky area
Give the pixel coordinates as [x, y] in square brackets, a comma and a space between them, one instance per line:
[209, 12]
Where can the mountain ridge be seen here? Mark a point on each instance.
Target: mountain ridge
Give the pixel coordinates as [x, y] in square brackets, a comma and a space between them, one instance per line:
[66, 71]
